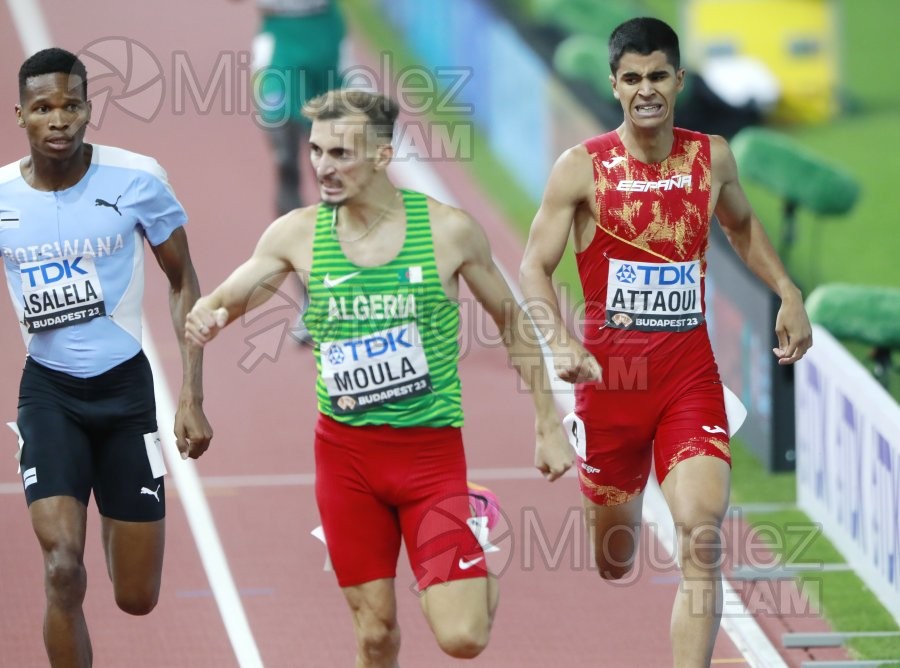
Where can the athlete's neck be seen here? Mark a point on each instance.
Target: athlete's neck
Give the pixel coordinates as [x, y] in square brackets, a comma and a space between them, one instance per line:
[43, 173]
[371, 205]
[647, 145]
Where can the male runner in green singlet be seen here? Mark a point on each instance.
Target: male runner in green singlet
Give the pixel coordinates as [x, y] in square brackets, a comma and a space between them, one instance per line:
[382, 267]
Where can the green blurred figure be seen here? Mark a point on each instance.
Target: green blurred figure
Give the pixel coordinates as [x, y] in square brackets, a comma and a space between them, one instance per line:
[295, 58]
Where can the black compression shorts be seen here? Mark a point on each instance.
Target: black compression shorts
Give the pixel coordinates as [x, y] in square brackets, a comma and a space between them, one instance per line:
[98, 433]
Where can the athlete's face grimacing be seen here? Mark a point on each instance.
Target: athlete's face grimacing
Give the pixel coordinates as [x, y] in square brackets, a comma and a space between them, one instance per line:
[646, 87]
[346, 153]
[55, 114]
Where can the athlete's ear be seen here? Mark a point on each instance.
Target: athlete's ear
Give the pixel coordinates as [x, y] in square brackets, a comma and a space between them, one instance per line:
[384, 155]
[20, 120]
[679, 78]
[612, 82]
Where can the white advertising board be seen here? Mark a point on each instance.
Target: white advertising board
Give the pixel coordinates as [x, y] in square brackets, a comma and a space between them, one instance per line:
[848, 462]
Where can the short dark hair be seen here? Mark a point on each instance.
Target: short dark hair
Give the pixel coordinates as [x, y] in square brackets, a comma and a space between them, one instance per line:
[52, 61]
[380, 111]
[643, 36]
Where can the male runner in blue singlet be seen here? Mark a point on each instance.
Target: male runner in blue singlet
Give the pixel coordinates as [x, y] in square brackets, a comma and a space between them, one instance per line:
[73, 219]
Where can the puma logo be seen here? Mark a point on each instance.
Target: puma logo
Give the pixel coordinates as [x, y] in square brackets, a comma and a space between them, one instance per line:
[153, 493]
[114, 207]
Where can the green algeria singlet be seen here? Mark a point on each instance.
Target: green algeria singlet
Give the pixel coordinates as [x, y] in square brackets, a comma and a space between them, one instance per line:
[386, 337]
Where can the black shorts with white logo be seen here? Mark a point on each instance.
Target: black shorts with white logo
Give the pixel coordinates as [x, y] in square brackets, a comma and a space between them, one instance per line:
[99, 433]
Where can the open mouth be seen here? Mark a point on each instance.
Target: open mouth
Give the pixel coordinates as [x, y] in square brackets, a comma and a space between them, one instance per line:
[59, 142]
[648, 109]
[330, 187]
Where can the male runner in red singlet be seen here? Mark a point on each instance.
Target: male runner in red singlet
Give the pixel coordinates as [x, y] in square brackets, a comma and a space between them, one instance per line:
[639, 200]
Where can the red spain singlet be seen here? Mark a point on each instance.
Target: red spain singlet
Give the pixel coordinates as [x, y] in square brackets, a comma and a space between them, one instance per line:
[643, 279]
[642, 273]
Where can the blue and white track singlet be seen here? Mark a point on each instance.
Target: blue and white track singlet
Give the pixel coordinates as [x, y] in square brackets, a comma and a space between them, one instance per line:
[74, 258]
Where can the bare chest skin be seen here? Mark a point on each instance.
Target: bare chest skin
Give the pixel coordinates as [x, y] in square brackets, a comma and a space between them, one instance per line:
[379, 247]
[373, 248]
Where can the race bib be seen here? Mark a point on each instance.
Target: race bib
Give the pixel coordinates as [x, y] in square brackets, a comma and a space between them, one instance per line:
[60, 292]
[654, 296]
[374, 370]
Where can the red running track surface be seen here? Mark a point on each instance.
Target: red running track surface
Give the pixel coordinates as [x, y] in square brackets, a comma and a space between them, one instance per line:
[553, 609]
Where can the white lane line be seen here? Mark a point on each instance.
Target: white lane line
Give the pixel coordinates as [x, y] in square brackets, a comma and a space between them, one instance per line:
[737, 621]
[309, 479]
[30, 24]
[199, 516]
[34, 36]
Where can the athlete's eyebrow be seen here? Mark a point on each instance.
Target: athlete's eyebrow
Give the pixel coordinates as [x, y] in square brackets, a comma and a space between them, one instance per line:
[634, 73]
[45, 98]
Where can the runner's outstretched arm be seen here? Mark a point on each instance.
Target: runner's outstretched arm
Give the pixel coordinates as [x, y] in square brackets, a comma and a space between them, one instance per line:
[248, 286]
[553, 454]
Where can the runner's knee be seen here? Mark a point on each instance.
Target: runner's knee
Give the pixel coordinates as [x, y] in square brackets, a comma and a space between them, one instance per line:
[698, 527]
[614, 571]
[465, 639]
[377, 640]
[614, 552]
[701, 545]
[137, 600]
[66, 578]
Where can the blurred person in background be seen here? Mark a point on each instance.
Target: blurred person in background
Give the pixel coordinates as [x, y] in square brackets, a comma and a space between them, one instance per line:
[295, 58]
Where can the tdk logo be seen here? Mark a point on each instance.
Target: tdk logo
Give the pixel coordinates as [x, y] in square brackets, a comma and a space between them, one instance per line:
[52, 272]
[372, 346]
[681, 182]
[666, 274]
[335, 354]
[626, 274]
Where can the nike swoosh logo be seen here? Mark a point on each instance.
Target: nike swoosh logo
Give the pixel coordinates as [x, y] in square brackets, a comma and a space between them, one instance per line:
[714, 430]
[466, 565]
[334, 282]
